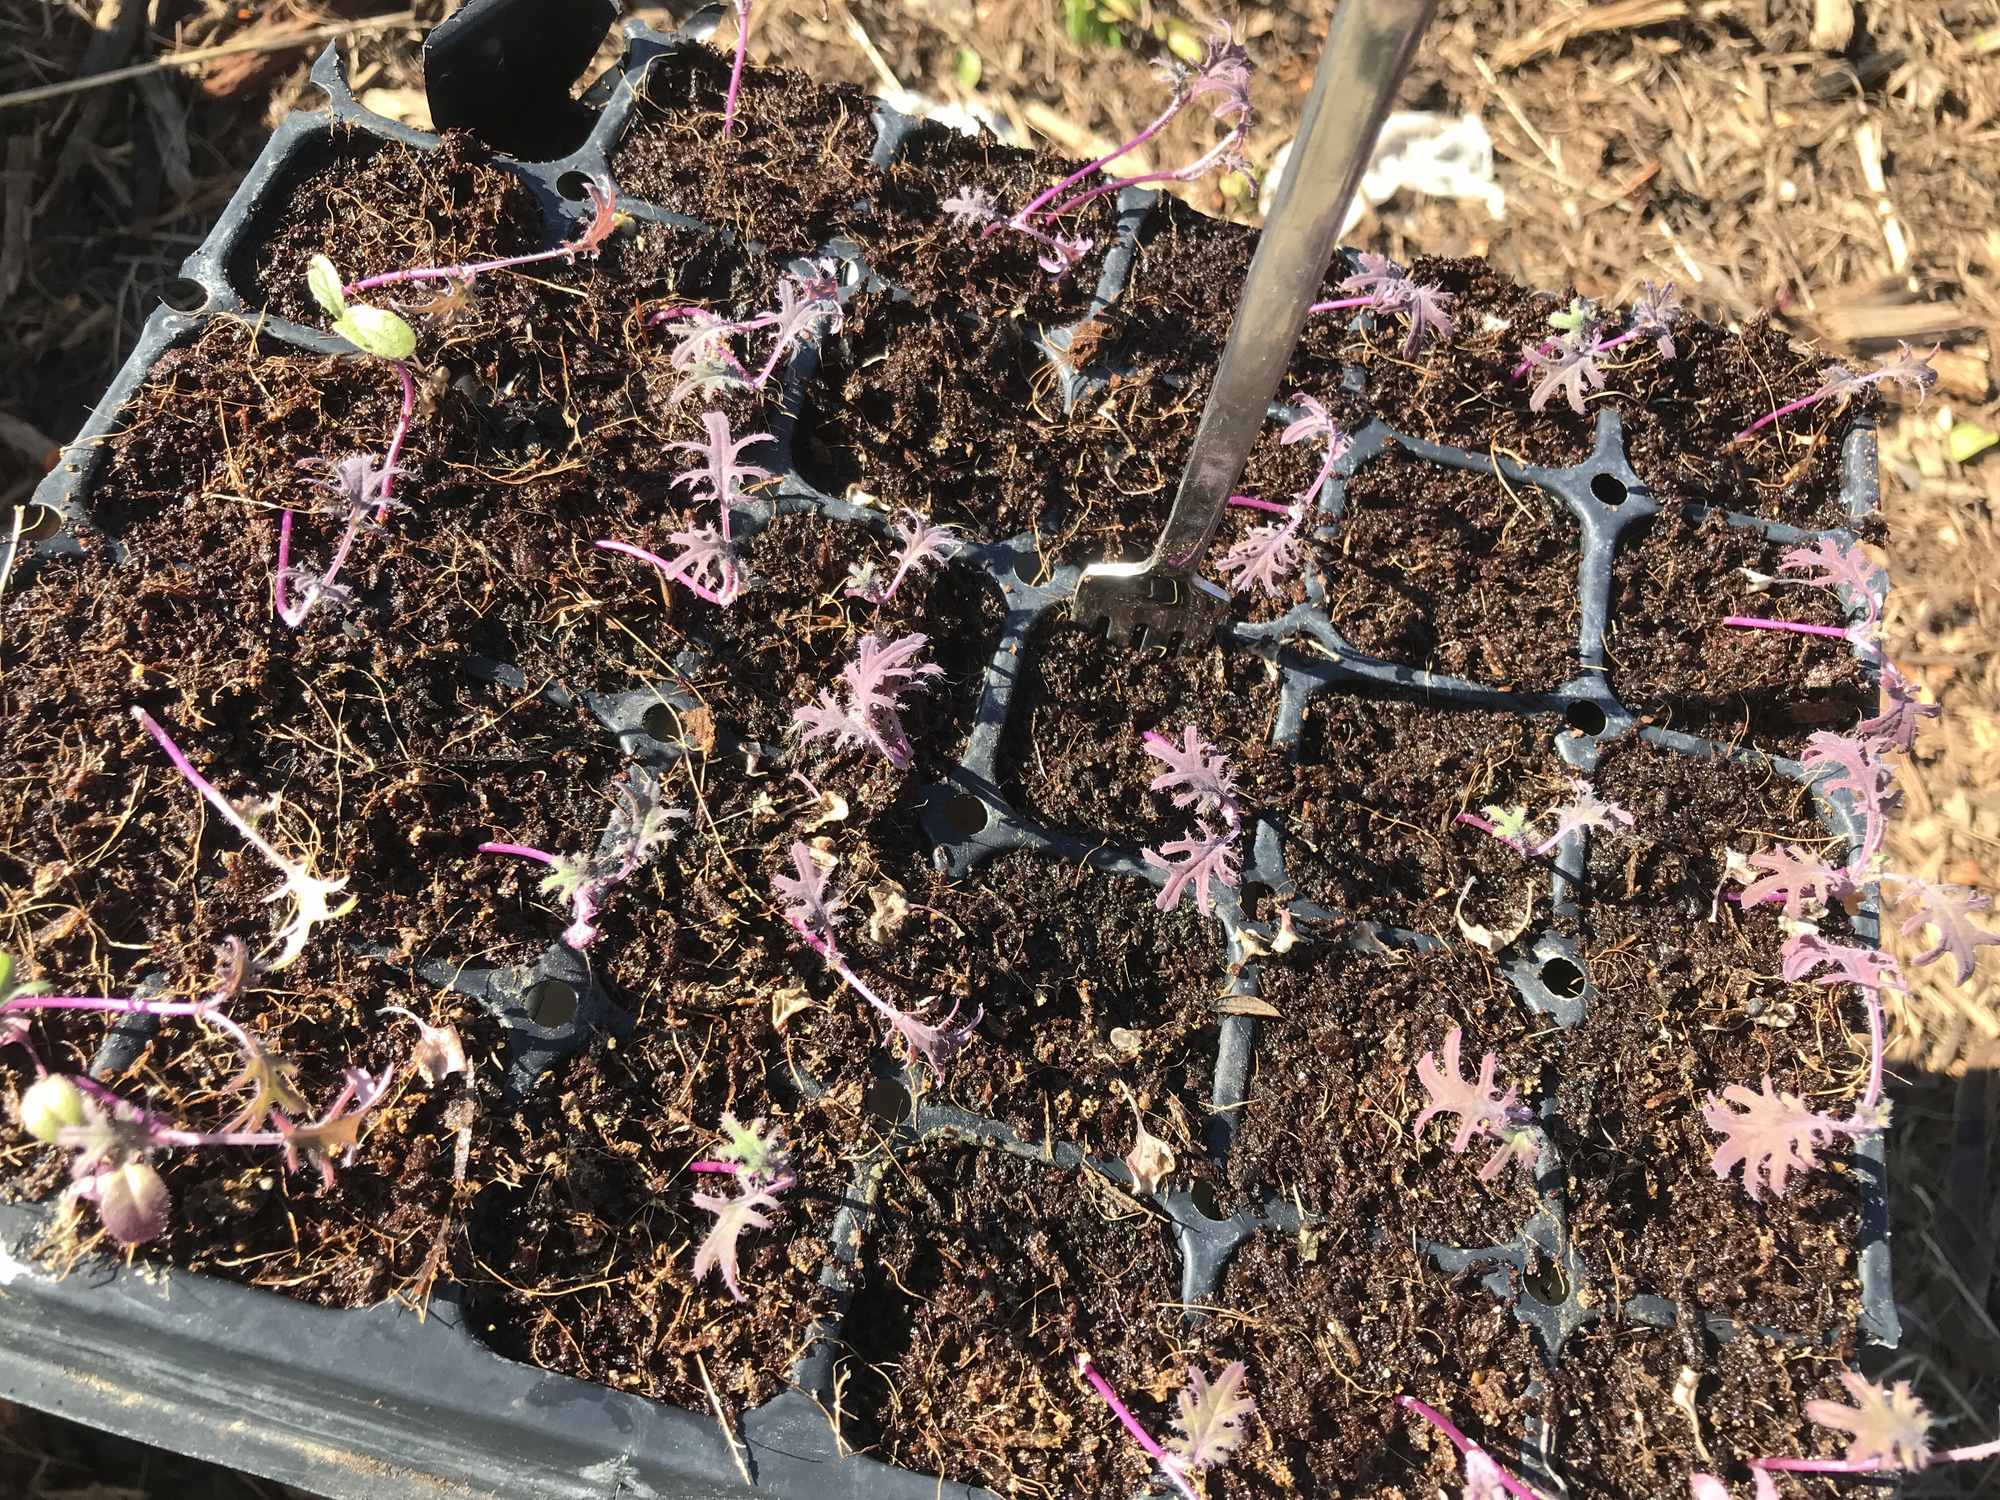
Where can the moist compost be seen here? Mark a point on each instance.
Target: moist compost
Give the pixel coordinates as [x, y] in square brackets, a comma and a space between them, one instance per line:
[1674, 661]
[464, 689]
[1455, 572]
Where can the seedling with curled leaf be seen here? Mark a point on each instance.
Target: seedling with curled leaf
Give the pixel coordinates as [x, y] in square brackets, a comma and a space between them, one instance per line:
[642, 824]
[1479, 1109]
[924, 546]
[813, 910]
[311, 897]
[1840, 385]
[113, 1140]
[869, 706]
[1380, 286]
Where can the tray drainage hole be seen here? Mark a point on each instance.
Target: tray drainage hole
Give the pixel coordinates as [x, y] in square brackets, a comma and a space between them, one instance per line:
[184, 295]
[38, 523]
[1202, 1194]
[660, 722]
[887, 1100]
[1547, 1280]
[1561, 977]
[1609, 489]
[550, 1002]
[1584, 718]
[964, 815]
[571, 186]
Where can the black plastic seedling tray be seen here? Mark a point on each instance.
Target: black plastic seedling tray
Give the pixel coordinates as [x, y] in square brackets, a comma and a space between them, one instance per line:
[380, 1403]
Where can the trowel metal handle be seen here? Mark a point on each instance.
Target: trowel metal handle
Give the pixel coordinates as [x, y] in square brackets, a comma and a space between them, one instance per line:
[1367, 53]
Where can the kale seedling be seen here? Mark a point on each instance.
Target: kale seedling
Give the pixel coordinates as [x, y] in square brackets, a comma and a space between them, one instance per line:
[1845, 569]
[1264, 555]
[1840, 385]
[813, 911]
[1513, 827]
[1381, 286]
[1223, 74]
[1480, 1110]
[758, 1161]
[1653, 316]
[869, 709]
[1208, 1425]
[923, 546]
[310, 896]
[1888, 1431]
[809, 304]
[1771, 1134]
[706, 564]
[641, 826]
[114, 1140]
[1569, 363]
[1197, 778]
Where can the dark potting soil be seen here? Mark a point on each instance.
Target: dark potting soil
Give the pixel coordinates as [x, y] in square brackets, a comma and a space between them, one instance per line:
[1675, 664]
[580, 1241]
[1335, 1323]
[1334, 1088]
[1454, 572]
[789, 175]
[1614, 1416]
[1099, 1002]
[1074, 752]
[985, 1277]
[1370, 822]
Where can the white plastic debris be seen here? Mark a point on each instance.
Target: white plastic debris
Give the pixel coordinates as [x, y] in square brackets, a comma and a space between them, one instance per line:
[1437, 156]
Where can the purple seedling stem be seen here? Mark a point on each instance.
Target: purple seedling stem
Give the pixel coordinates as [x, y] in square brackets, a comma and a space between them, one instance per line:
[1251, 502]
[736, 68]
[728, 1168]
[1020, 220]
[519, 851]
[1969, 1455]
[1797, 627]
[603, 201]
[1131, 1424]
[1465, 1445]
[1194, 171]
